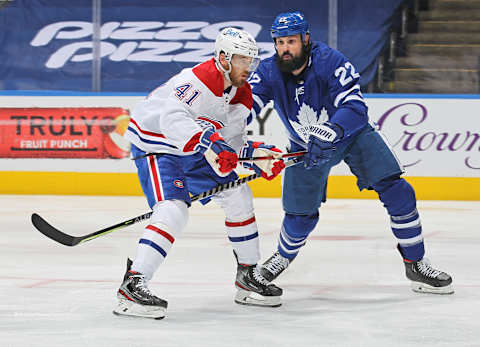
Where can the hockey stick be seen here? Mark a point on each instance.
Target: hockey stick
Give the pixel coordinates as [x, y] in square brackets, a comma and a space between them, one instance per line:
[282, 156]
[68, 240]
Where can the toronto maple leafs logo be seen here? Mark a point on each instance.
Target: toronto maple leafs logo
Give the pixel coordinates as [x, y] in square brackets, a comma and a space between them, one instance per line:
[307, 116]
[299, 91]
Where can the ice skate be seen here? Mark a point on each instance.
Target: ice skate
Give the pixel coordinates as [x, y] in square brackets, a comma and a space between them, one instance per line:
[253, 289]
[135, 299]
[426, 279]
[274, 266]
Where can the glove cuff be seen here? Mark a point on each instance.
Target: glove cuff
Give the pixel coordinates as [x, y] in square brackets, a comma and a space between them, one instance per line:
[338, 129]
[327, 132]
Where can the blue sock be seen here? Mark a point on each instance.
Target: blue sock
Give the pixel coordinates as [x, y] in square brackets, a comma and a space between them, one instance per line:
[294, 233]
[398, 197]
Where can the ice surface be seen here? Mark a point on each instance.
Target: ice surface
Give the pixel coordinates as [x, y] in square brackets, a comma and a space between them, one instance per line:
[346, 288]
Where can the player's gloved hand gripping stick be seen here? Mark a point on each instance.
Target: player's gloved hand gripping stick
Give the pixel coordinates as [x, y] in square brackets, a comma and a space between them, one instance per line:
[321, 143]
[268, 168]
[219, 155]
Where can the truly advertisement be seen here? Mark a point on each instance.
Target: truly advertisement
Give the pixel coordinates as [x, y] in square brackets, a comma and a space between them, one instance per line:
[83, 132]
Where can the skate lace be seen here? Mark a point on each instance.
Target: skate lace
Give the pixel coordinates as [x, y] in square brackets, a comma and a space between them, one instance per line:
[258, 277]
[141, 285]
[276, 264]
[426, 269]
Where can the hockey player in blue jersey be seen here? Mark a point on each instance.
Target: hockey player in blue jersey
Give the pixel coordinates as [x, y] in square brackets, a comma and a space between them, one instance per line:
[317, 97]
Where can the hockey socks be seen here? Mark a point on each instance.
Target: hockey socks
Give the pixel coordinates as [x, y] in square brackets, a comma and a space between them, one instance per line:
[166, 224]
[398, 197]
[294, 233]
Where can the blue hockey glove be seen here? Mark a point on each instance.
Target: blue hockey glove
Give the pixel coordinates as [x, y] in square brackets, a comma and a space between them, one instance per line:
[221, 157]
[321, 143]
[268, 168]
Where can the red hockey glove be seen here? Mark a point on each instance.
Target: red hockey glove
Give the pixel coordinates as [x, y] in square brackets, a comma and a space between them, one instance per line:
[268, 168]
[221, 157]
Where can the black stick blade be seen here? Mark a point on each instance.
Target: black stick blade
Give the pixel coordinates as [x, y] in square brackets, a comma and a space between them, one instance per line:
[53, 233]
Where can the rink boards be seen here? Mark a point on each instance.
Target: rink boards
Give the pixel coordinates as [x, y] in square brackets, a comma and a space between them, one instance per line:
[436, 138]
[87, 183]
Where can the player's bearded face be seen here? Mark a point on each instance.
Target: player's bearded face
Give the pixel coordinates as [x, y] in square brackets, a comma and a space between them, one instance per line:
[291, 53]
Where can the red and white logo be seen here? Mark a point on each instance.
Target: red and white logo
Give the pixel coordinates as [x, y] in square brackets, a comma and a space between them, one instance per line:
[178, 183]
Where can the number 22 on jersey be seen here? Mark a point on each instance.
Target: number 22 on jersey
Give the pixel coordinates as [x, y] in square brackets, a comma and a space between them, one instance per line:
[347, 73]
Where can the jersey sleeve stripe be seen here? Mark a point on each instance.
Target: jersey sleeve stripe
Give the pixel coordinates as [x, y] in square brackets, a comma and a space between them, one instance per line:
[149, 141]
[353, 97]
[342, 95]
[150, 133]
[194, 140]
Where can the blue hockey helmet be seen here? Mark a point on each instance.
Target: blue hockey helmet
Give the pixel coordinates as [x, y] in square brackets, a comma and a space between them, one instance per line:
[289, 23]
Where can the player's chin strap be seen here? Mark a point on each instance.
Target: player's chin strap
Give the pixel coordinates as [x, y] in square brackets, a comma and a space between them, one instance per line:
[226, 73]
[68, 240]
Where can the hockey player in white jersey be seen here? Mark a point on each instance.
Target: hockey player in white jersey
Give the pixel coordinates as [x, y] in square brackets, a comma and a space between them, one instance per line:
[195, 124]
[317, 97]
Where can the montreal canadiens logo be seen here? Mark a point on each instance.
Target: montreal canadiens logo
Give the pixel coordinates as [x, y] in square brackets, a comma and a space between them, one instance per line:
[178, 183]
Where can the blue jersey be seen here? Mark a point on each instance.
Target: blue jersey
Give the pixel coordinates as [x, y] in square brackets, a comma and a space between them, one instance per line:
[327, 90]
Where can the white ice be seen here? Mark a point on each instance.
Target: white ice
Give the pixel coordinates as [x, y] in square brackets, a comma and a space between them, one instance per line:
[346, 288]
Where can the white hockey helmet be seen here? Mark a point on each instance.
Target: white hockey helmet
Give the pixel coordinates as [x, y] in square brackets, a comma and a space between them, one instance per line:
[232, 41]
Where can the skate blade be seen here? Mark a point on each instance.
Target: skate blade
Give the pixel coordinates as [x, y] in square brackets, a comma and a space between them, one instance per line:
[244, 297]
[130, 308]
[425, 288]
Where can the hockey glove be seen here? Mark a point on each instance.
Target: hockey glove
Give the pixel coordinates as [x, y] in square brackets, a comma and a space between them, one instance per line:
[321, 143]
[221, 157]
[268, 168]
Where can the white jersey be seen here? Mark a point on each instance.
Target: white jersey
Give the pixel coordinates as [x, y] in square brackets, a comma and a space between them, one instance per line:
[171, 117]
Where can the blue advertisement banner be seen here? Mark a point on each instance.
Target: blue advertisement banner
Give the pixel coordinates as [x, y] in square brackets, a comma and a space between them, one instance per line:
[47, 45]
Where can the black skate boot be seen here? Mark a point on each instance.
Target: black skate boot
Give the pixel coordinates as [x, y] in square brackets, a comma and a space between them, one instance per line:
[135, 299]
[274, 266]
[253, 289]
[426, 279]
